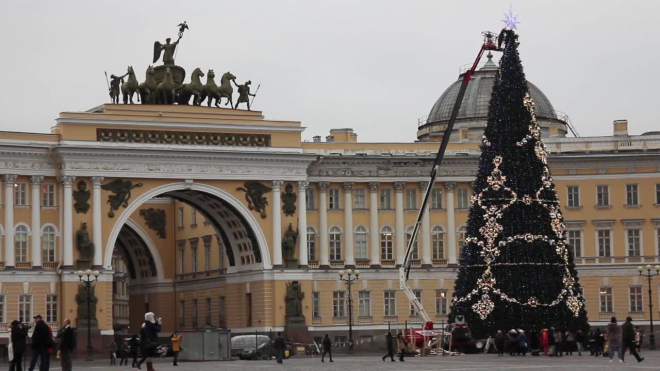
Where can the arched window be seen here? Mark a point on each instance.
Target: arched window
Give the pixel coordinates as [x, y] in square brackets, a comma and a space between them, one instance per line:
[361, 243]
[414, 254]
[48, 244]
[386, 239]
[438, 242]
[335, 243]
[311, 243]
[21, 243]
[462, 233]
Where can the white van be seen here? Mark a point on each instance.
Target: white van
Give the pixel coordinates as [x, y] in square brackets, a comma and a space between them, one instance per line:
[238, 343]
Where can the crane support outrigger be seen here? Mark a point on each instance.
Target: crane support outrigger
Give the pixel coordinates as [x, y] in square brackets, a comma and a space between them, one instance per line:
[491, 42]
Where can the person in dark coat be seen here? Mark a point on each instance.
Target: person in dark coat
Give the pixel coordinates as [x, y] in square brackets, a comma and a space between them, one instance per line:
[124, 352]
[579, 341]
[534, 343]
[41, 342]
[65, 335]
[614, 339]
[389, 341]
[134, 346]
[151, 329]
[280, 345]
[499, 343]
[522, 342]
[628, 340]
[327, 348]
[18, 340]
[600, 342]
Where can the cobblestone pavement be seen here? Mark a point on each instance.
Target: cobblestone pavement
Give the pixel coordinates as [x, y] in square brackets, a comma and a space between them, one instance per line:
[456, 363]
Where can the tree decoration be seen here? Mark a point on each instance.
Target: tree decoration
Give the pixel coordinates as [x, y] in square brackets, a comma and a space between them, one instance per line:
[516, 270]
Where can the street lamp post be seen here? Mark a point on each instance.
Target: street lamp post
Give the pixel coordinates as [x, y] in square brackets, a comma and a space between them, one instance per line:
[442, 326]
[647, 272]
[87, 278]
[351, 276]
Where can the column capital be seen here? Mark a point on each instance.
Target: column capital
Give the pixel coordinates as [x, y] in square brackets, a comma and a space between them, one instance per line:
[96, 181]
[348, 186]
[36, 180]
[10, 179]
[424, 185]
[302, 185]
[277, 184]
[323, 186]
[374, 186]
[399, 186]
[67, 181]
[450, 186]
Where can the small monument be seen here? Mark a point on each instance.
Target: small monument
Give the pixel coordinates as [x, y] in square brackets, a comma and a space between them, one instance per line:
[289, 247]
[85, 247]
[82, 317]
[168, 51]
[295, 327]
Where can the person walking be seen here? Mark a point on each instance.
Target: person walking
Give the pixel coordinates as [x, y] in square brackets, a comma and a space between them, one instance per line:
[552, 347]
[327, 348]
[628, 340]
[401, 347]
[134, 347]
[600, 342]
[614, 339]
[639, 338]
[390, 347]
[67, 344]
[534, 343]
[570, 343]
[499, 343]
[545, 341]
[579, 341]
[124, 352]
[18, 339]
[558, 343]
[176, 347]
[522, 342]
[280, 345]
[41, 342]
[113, 353]
[151, 329]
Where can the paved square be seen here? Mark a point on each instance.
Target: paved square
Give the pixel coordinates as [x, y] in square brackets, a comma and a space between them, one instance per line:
[458, 363]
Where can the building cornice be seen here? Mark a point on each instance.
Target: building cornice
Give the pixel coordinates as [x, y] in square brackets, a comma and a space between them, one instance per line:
[182, 125]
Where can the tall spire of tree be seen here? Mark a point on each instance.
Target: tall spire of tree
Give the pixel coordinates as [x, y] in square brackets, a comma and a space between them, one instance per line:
[516, 270]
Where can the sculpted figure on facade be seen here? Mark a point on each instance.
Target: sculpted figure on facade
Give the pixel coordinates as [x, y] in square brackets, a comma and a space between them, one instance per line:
[85, 245]
[81, 195]
[289, 242]
[254, 195]
[294, 298]
[122, 194]
[115, 86]
[289, 198]
[244, 94]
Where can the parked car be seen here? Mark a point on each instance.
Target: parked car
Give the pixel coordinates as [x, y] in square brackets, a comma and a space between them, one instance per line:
[264, 351]
[238, 343]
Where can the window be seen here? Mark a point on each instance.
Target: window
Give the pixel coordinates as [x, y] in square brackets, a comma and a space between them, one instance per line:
[182, 255]
[195, 314]
[335, 243]
[25, 308]
[51, 308]
[418, 295]
[207, 257]
[390, 303]
[316, 304]
[573, 196]
[182, 314]
[48, 244]
[462, 234]
[386, 243]
[604, 242]
[334, 199]
[657, 194]
[386, 199]
[462, 198]
[222, 308]
[364, 307]
[48, 195]
[632, 194]
[436, 198]
[209, 308]
[193, 249]
[634, 242]
[20, 194]
[359, 200]
[606, 300]
[414, 254]
[575, 242]
[441, 302]
[636, 299]
[193, 217]
[361, 243]
[438, 242]
[309, 198]
[311, 243]
[603, 195]
[2, 309]
[338, 304]
[411, 198]
[180, 218]
[21, 243]
[248, 301]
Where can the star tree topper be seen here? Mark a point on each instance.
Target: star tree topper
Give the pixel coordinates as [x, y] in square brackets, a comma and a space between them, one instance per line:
[510, 20]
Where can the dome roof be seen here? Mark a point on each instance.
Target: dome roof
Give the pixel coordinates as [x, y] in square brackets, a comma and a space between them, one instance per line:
[477, 97]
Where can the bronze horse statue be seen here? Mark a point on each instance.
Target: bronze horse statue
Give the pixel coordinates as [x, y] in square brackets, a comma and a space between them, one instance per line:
[211, 90]
[130, 87]
[147, 89]
[225, 90]
[165, 90]
[194, 89]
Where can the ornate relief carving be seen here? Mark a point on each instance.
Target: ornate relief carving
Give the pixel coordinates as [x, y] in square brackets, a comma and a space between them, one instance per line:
[81, 195]
[156, 220]
[254, 195]
[122, 194]
[289, 200]
[164, 167]
[182, 137]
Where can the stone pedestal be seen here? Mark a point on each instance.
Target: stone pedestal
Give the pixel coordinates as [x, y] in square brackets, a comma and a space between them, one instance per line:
[84, 264]
[296, 331]
[291, 263]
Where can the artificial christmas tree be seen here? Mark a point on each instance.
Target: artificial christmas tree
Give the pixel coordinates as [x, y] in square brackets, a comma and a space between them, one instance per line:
[516, 269]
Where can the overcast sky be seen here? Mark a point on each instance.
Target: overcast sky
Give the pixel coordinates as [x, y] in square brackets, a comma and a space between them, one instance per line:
[375, 66]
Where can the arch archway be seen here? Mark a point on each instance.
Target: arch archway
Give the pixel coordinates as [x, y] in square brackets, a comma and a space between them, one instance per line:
[217, 204]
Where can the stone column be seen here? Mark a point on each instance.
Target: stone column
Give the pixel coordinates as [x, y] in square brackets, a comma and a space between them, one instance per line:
[277, 224]
[373, 225]
[10, 180]
[349, 261]
[35, 213]
[451, 224]
[400, 228]
[323, 225]
[97, 221]
[302, 225]
[426, 232]
[67, 181]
